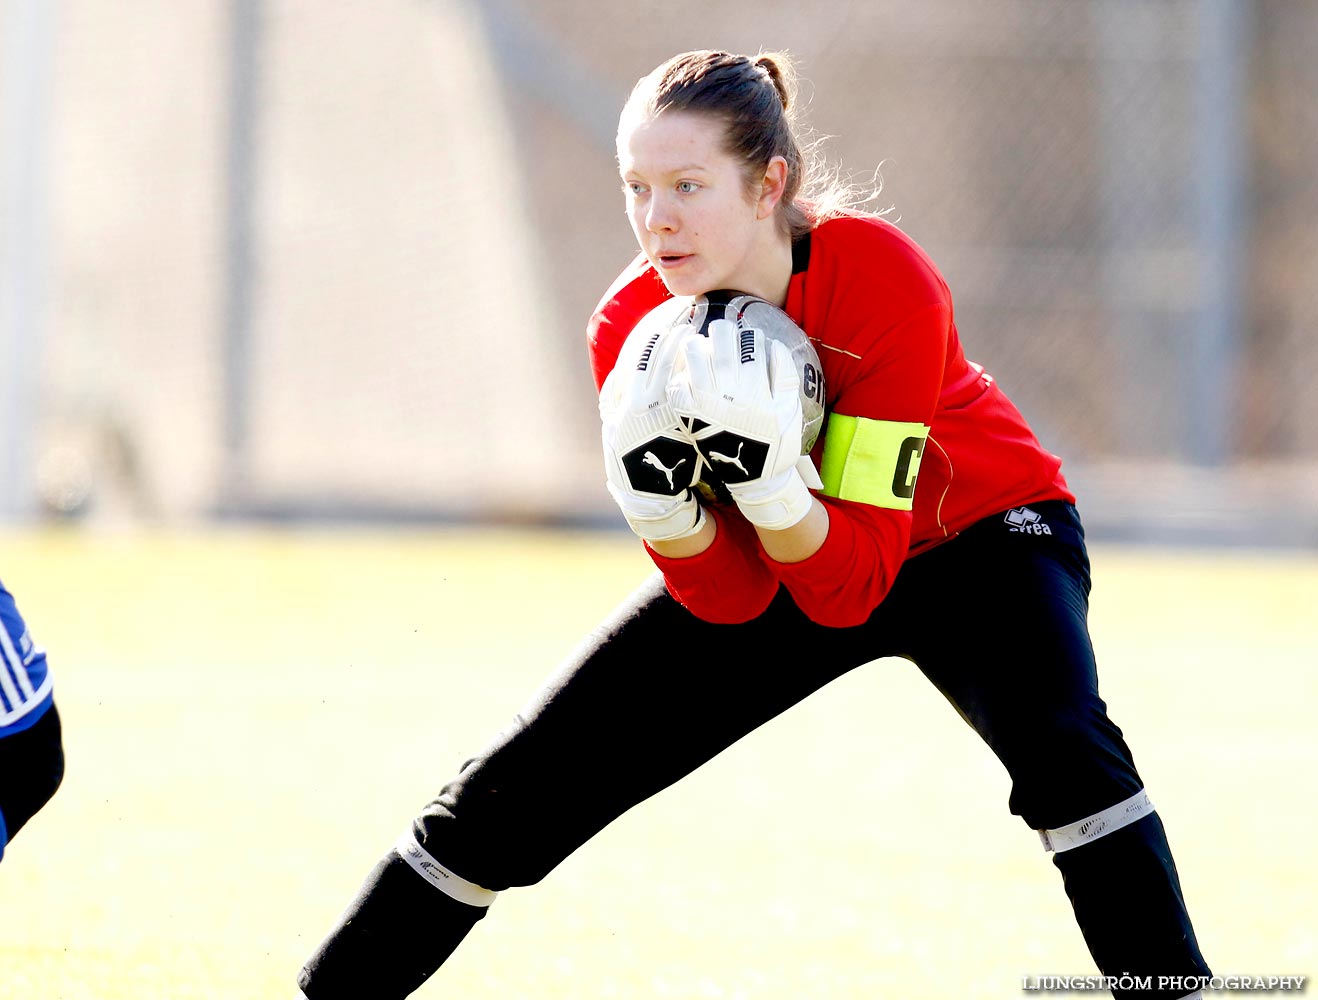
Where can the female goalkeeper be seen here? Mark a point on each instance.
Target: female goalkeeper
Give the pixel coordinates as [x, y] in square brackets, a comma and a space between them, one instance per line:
[942, 533]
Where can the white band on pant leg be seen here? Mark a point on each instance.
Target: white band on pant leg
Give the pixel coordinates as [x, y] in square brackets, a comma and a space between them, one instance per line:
[1098, 825]
[439, 876]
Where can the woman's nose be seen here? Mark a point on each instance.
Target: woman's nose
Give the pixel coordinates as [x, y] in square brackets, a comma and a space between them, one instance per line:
[659, 216]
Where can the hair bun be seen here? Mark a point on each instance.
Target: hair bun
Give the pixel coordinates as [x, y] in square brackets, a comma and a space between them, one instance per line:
[779, 70]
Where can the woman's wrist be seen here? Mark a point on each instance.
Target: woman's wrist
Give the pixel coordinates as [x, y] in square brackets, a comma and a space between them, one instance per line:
[799, 542]
[690, 545]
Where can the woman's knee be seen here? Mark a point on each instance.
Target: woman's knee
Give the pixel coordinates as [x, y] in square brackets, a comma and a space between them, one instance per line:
[1068, 767]
[503, 826]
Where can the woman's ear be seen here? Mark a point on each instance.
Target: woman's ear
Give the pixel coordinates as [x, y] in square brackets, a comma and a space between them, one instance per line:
[772, 186]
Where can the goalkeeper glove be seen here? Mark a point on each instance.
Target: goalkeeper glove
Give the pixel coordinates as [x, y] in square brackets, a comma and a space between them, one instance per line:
[650, 460]
[740, 393]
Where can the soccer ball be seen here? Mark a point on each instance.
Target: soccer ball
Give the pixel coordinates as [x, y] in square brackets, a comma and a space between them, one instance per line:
[750, 312]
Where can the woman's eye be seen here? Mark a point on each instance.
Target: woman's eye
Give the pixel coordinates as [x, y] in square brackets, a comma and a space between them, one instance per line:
[632, 187]
[687, 187]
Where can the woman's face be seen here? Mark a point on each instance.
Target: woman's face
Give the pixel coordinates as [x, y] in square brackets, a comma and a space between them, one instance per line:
[689, 207]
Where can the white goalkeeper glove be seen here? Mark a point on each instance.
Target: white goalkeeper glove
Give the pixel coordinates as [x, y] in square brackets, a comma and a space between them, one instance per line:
[740, 393]
[650, 459]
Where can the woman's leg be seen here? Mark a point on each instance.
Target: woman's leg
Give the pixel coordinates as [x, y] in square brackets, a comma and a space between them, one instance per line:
[31, 770]
[645, 700]
[1014, 657]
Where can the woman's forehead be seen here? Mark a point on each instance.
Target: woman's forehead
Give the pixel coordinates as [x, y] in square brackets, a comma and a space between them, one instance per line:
[671, 142]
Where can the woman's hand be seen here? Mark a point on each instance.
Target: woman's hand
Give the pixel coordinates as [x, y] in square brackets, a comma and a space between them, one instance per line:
[741, 394]
[650, 459]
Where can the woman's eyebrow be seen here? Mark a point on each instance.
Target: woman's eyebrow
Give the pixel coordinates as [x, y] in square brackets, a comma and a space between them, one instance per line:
[673, 170]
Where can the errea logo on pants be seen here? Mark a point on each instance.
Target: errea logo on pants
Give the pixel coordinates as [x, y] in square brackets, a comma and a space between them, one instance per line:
[1024, 521]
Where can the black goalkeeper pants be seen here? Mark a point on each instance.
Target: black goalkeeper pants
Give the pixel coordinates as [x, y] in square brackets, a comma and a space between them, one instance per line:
[995, 618]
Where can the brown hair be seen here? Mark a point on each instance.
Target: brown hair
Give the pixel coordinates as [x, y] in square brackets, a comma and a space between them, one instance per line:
[755, 97]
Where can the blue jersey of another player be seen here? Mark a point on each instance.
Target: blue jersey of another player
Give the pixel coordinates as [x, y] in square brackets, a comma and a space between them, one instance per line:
[25, 683]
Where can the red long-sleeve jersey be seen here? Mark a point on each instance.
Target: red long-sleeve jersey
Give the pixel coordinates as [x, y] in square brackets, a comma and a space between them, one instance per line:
[919, 442]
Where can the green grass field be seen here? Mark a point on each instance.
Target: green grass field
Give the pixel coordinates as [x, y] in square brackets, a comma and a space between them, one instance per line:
[251, 718]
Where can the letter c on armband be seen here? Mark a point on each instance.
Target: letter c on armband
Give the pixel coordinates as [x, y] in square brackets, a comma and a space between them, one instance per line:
[872, 461]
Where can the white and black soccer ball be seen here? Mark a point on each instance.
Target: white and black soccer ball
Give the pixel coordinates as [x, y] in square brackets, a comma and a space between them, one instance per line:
[750, 312]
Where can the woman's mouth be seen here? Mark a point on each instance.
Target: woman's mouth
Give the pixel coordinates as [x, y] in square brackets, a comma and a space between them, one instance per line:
[669, 260]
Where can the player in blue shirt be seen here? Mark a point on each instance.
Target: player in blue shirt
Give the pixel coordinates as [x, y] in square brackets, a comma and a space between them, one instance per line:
[31, 748]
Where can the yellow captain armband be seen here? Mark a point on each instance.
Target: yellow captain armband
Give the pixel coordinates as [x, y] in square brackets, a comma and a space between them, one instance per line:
[872, 461]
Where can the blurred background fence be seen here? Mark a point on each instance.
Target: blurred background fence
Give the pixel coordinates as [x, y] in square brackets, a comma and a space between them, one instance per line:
[268, 258]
